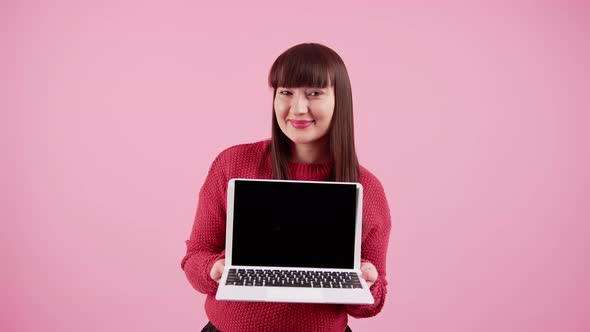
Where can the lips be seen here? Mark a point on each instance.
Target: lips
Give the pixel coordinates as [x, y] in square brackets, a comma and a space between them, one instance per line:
[301, 124]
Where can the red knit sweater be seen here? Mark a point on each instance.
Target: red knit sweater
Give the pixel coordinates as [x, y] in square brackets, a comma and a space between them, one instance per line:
[207, 243]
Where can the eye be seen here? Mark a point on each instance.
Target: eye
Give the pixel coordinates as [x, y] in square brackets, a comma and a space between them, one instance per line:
[317, 93]
[285, 92]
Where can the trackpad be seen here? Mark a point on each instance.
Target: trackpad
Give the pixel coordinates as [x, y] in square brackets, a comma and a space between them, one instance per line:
[295, 295]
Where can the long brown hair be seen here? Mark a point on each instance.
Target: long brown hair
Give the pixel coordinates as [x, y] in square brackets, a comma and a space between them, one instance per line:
[316, 66]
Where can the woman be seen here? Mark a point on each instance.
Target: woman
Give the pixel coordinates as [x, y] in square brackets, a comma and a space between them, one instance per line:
[312, 140]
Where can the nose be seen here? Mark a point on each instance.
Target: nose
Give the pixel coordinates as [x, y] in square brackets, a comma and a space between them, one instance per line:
[299, 104]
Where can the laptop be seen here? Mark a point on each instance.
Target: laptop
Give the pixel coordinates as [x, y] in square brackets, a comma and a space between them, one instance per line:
[293, 241]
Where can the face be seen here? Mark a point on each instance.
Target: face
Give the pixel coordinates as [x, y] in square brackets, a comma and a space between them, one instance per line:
[304, 114]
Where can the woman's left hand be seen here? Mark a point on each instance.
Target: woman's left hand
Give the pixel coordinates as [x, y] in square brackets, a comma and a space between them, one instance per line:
[369, 273]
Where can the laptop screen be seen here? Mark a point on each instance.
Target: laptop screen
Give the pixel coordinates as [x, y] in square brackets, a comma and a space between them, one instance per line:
[290, 224]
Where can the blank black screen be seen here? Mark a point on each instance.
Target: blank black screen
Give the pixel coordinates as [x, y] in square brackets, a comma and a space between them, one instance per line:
[294, 224]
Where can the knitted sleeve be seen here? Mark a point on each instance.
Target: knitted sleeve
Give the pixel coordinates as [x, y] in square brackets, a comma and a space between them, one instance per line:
[377, 219]
[207, 240]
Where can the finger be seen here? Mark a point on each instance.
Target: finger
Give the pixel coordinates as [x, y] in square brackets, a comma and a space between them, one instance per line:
[367, 266]
[365, 274]
[219, 270]
[370, 274]
[370, 280]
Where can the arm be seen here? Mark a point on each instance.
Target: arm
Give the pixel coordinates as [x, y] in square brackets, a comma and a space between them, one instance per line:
[207, 240]
[377, 219]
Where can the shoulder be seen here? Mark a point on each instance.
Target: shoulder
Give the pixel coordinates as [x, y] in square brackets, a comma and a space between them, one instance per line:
[246, 150]
[369, 181]
[376, 211]
[373, 191]
[237, 159]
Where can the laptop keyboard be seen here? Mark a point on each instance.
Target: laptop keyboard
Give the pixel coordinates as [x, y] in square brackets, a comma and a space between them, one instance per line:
[292, 278]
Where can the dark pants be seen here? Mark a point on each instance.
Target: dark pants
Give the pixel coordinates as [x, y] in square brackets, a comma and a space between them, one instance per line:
[210, 328]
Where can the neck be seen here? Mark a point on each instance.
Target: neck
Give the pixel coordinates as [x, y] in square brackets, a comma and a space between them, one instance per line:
[315, 152]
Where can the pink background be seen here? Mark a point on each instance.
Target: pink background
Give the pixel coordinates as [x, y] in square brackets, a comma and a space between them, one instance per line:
[474, 116]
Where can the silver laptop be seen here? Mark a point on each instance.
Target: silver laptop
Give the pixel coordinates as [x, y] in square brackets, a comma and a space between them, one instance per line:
[293, 241]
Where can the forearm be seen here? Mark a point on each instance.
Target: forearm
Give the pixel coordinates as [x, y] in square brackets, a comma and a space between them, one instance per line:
[377, 219]
[197, 266]
[378, 290]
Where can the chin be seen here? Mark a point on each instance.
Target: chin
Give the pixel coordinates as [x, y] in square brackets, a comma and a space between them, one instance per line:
[302, 140]
[299, 140]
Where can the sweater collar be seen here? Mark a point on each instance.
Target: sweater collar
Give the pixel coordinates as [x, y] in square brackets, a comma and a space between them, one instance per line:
[310, 171]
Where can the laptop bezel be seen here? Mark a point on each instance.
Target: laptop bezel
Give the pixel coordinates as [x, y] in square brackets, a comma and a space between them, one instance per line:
[230, 216]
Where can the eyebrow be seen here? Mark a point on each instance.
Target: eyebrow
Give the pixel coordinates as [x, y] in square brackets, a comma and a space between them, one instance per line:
[303, 87]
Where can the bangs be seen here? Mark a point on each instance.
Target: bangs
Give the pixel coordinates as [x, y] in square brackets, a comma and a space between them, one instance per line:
[302, 66]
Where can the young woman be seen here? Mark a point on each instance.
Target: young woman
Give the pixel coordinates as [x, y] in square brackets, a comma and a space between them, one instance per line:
[312, 140]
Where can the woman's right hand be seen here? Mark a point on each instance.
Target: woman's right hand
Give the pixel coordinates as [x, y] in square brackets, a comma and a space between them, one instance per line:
[217, 270]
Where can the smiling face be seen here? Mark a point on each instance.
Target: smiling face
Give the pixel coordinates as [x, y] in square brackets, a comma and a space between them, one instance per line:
[304, 114]
[309, 81]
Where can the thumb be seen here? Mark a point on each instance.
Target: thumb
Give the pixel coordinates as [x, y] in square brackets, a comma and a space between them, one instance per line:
[369, 273]
[220, 266]
[217, 270]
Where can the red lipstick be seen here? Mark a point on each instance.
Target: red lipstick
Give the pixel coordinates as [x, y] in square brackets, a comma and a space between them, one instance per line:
[301, 124]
